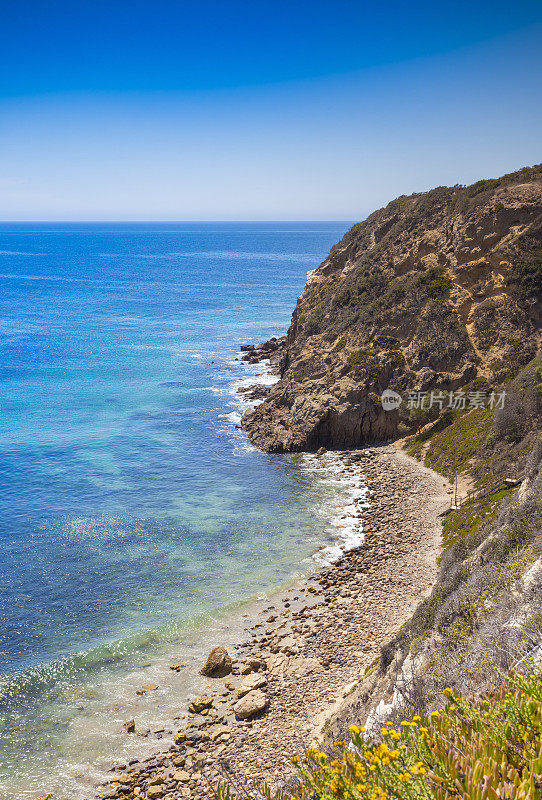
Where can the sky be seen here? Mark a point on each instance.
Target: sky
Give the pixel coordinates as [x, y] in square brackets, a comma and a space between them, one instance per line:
[259, 110]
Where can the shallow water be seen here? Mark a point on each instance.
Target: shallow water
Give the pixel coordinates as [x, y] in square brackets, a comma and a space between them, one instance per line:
[136, 518]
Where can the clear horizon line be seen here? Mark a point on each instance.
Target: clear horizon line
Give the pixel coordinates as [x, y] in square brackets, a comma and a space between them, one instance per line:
[153, 221]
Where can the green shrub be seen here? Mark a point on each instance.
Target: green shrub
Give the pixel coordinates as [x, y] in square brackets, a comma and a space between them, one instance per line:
[529, 272]
[440, 286]
[354, 359]
[467, 519]
[482, 186]
[452, 449]
[481, 749]
[343, 297]
[436, 281]
[314, 323]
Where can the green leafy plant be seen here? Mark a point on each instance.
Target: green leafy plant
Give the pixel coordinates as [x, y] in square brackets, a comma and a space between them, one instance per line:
[483, 749]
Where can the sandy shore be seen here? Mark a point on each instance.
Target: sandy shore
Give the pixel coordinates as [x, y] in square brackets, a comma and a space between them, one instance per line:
[311, 646]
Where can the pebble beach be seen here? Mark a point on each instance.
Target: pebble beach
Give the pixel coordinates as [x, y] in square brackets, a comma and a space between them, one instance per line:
[303, 653]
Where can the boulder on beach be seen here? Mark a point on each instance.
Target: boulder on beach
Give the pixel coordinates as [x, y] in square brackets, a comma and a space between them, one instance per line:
[218, 663]
[252, 664]
[199, 704]
[181, 776]
[252, 703]
[282, 664]
[129, 727]
[220, 732]
[178, 666]
[253, 681]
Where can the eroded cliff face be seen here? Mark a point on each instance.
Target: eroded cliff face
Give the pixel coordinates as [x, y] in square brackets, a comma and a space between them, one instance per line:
[430, 292]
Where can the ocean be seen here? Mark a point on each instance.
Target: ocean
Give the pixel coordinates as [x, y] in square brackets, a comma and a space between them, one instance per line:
[137, 522]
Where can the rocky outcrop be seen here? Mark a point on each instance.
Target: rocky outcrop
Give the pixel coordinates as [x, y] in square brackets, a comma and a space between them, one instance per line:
[433, 291]
[254, 681]
[270, 350]
[251, 704]
[200, 704]
[218, 663]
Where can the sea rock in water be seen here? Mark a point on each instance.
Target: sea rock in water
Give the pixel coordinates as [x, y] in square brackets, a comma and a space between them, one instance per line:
[218, 663]
[128, 727]
[251, 704]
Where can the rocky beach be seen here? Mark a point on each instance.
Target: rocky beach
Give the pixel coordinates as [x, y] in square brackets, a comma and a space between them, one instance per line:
[306, 650]
[437, 292]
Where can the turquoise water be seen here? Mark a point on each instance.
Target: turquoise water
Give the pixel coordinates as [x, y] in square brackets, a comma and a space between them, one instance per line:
[134, 513]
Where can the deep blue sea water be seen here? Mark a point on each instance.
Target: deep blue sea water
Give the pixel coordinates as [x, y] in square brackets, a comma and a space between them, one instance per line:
[133, 511]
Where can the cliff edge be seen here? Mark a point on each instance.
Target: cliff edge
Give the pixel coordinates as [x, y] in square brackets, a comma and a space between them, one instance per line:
[431, 292]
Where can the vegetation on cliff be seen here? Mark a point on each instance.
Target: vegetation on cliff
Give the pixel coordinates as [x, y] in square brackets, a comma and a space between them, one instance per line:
[436, 290]
[478, 749]
[483, 616]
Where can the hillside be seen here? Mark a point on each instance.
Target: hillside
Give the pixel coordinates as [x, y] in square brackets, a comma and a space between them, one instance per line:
[436, 290]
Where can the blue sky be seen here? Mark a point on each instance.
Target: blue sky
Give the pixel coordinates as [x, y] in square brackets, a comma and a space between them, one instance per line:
[213, 110]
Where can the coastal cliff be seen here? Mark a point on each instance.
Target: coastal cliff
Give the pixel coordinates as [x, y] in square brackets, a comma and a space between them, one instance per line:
[433, 291]
[440, 290]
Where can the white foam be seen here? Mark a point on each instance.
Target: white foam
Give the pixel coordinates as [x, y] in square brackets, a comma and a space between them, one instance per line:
[344, 509]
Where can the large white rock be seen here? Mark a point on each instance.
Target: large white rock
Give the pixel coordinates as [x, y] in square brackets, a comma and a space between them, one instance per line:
[253, 681]
[252, 703]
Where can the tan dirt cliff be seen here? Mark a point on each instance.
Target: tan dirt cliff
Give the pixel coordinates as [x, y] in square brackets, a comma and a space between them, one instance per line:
[431, 292]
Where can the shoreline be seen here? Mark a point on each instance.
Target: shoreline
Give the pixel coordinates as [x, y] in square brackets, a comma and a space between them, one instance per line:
[313, 641]
[160, 711]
